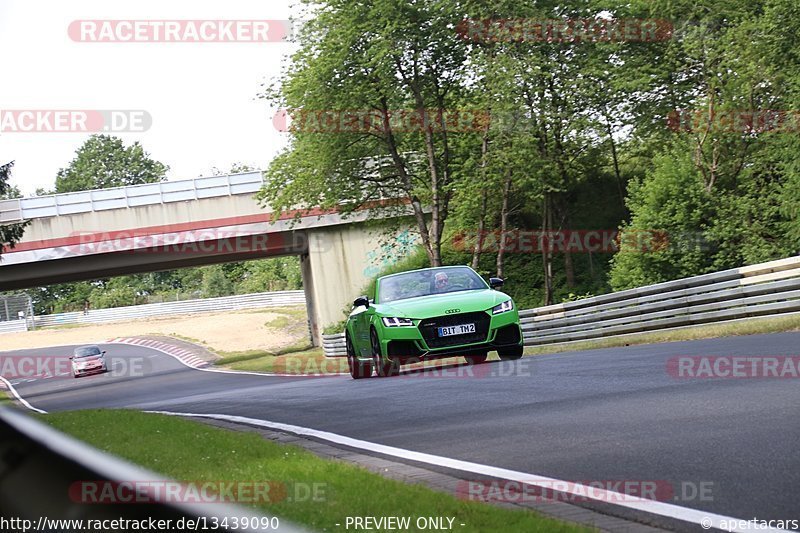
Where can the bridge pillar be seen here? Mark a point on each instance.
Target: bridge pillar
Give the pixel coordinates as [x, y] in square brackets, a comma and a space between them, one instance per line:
[311, 307]
[341, 261]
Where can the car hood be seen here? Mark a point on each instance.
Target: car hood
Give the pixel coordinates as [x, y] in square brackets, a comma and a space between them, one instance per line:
[88, 359]
[436, 304]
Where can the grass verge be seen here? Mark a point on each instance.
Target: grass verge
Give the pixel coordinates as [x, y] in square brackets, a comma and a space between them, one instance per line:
[745, 327]
[191, 451]
[301, 358]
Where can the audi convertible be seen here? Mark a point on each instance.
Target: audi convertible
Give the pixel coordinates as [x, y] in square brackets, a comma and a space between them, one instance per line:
[430, 313]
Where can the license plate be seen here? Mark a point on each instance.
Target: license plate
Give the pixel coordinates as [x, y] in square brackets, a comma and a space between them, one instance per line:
[461, 329]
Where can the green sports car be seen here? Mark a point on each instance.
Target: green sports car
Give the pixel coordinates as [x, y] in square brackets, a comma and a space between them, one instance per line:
[429, 314]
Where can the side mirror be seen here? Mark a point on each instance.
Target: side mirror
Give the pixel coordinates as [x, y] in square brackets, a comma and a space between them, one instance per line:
[361, 301]
[71, 356]
[103, 352]
[495, 282]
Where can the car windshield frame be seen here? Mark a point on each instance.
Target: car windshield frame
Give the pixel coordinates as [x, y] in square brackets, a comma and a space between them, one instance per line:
[79, 352]
[405, 293]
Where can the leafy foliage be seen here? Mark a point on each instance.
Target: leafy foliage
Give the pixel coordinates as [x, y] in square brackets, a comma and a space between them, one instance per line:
[9, 233]
[104, 161]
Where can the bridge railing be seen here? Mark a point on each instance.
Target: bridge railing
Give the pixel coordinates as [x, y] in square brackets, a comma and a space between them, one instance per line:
[130, 196]
[766, 289]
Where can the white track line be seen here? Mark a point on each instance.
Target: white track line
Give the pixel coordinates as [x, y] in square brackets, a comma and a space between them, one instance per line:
[606, 496]
[22, 400]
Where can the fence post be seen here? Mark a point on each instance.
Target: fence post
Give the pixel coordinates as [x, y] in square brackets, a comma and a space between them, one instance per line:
[30, 313]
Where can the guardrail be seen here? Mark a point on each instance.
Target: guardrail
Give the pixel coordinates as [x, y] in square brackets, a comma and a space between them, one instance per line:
[766, 289]
[130, 196]
[333, 345]
[225, 303]
[12, 326]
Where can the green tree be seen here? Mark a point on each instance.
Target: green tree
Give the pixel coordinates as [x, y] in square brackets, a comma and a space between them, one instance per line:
[215, 283]
[104, 161]
[236, 168]
[672, 202]
[114, 292]
[724, 193]
[10, 234]
[383, 57]
[276, 274]
[101, 162]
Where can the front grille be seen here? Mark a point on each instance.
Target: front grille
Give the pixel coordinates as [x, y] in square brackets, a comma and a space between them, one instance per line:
[429, 329]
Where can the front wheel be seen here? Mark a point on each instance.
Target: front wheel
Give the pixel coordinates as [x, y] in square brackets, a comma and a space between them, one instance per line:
[357, 369]
[384, 367]
[510, 354]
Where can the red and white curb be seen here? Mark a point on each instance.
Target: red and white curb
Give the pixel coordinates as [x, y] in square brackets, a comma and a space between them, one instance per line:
[184, 356]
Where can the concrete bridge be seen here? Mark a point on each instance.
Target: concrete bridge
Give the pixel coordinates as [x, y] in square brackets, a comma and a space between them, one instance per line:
[162, 226]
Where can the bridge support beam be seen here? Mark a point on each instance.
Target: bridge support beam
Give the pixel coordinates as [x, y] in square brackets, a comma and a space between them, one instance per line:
[311, 307]
[341, 261]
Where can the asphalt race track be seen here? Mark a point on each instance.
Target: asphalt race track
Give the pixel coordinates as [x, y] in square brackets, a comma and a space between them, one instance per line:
[610, 414]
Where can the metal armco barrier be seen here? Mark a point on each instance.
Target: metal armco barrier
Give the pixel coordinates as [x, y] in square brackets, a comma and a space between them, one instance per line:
[766, 289]
[11, 326]
[225, 303]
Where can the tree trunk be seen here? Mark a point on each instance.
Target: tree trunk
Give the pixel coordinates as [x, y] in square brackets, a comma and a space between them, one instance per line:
[615, 160]
[569, 269]
[438, 197]
[568, 265]
[477, 250]
[501, 249]
[405, 179]
[547, 262]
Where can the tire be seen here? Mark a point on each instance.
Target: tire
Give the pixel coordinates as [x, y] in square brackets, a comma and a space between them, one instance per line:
[384, 367]
[76, 376]
[510, 354]
[476, 358]
[357, 369]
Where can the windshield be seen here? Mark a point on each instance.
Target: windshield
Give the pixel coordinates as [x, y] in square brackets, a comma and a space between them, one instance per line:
[427, 282]
[87, 351]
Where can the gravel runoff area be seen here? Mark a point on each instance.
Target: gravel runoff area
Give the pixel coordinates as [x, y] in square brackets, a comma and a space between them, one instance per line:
[233, 331]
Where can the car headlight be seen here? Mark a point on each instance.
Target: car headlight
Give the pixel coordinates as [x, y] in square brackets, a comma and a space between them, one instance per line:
[504, 307]
[393, 322]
